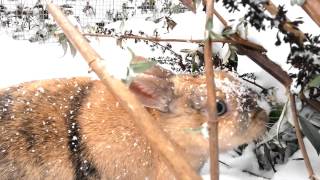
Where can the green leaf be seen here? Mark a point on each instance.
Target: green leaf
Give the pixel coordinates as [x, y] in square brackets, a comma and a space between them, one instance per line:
[227, 32]
[225, 59]
[122, 25]
[64, 45]
[61, 38]
[73, 50]
[233, 53]
[297, 2]
[315, 82]
[214, 35]
[140, 67]
[133, 55]
[209, 24]
[312, 133]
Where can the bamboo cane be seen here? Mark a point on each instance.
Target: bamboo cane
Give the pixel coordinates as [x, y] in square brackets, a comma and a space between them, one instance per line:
[211, 93]
[312, 8]
[157, 138]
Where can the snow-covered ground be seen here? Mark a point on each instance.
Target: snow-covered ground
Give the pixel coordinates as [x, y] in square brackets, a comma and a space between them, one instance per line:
[23, 61]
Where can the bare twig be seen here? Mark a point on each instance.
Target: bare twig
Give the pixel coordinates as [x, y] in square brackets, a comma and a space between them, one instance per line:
[246, 171]
[199, 41]
[311, 7]
[172, 51]
[299, 136]
[256, 84]
[173, 155]
[211, 93]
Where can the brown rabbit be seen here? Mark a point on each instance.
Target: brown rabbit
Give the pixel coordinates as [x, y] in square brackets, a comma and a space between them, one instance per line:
[75, 129]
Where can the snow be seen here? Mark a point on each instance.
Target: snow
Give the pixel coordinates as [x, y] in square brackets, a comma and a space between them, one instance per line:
[295, 169]
[23, 61]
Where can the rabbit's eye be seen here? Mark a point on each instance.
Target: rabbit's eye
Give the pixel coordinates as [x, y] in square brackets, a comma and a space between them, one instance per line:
[221, 107]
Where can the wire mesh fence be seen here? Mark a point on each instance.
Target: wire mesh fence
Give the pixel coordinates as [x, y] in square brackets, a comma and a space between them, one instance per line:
[28, 19]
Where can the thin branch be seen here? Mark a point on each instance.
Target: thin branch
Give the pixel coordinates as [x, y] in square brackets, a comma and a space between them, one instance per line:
[299, 136]
[172, 51]
[173, 155]
[211, 94]
[245, 171]
[237, 38]
[313, 103]
[268, 65]
[221, 19]
[256, 84]
[256, 175]
[312, 8]
[199, 41]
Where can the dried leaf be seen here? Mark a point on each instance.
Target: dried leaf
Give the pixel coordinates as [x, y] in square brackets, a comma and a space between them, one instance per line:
[214, 35]
[190, 4]
[64, 45]
[119, 42]
[228, 31]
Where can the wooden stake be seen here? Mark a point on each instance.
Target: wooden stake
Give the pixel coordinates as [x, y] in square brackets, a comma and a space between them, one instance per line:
[173, 155]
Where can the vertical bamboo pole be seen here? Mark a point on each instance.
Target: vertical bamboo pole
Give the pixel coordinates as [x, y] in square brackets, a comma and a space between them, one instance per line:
[281, 76]
[173, 155]
[211, 93]
[299, 136]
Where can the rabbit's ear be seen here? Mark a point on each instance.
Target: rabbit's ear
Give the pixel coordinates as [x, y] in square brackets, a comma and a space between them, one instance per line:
[158, 72]
[153, 92]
